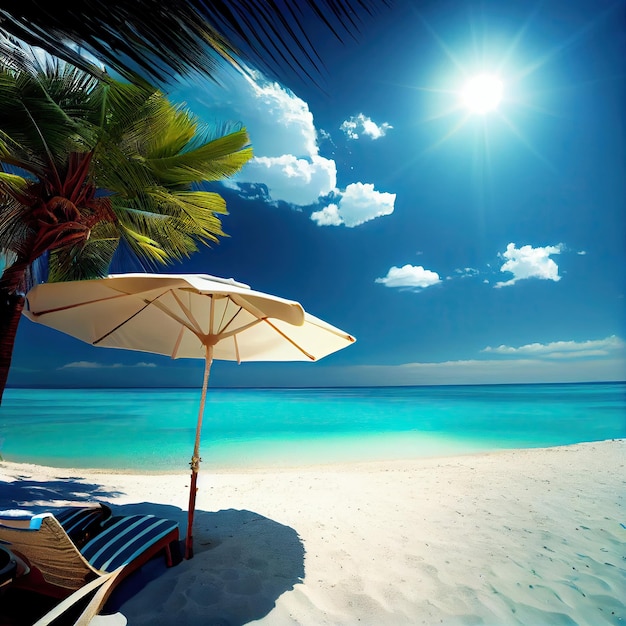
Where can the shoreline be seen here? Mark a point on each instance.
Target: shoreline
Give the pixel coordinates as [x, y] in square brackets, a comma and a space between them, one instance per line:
[331, 465]
[531, 535]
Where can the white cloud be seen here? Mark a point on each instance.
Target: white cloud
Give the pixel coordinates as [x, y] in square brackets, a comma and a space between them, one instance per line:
[324, 135]
[563, 349]
[284, 141]
[466, 272]
[277, 121]
[328, 216]
[291, 117]
[410, 277]
[360, 125]
[94, 365]
[290, 179]
[281, 130]
[582, 252]
[287, 165]
[529, 262]
[359, 203]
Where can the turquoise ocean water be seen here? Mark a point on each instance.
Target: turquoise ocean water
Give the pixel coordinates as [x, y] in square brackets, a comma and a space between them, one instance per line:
[148, 429]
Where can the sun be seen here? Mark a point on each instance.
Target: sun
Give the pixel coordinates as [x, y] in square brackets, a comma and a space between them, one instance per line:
[482, 93]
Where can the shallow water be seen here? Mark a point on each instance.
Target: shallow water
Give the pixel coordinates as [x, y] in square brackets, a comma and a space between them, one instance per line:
[147, 429]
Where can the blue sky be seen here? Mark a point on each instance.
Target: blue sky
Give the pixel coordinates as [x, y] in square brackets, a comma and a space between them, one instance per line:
[457, 247]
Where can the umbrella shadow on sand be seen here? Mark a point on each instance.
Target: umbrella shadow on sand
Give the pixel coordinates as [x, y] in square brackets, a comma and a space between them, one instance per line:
[243, 562]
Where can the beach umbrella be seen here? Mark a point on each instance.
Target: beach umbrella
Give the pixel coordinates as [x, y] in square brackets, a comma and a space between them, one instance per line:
[184, 316]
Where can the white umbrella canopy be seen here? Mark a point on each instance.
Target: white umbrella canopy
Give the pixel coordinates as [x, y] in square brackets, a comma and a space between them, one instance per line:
[184, 316]
[179, 315]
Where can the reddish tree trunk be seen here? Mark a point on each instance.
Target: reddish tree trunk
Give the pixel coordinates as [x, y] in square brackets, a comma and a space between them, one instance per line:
[11, 305]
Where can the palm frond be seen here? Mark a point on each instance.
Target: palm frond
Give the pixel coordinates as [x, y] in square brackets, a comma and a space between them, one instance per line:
[142, 245]
[176, 223]
[87, 166]
[89, 259]
[159, 39]
[42, 116]
[14, 229]
[120, 105]
[12, 184]
[194, 211]
[215, 160]
[166, 129]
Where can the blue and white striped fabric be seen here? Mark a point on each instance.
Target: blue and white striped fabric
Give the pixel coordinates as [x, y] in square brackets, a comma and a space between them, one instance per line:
[124, 539]
[77, 521]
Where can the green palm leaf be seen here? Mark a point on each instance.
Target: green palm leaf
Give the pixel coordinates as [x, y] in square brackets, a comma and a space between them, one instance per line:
[12, 184]
[87, 259]
[215, 160]
[116, 161]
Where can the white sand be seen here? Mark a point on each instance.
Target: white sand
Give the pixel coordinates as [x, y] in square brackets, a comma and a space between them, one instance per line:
[517, 537]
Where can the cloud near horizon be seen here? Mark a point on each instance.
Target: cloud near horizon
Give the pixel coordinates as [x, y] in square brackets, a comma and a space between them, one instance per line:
[494, 371]
[361, 125]
[94, 365]
[563, 349]
[553, 362]
[359, 203]
[528, 262]
[409, 277]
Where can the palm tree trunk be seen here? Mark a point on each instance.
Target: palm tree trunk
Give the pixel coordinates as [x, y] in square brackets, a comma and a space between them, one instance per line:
[11, 305]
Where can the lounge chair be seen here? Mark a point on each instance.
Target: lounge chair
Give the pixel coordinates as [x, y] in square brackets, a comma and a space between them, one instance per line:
[62, 569]
[80, 521]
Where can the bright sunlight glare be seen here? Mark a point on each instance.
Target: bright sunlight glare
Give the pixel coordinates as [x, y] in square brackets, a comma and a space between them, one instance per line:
[482, 93]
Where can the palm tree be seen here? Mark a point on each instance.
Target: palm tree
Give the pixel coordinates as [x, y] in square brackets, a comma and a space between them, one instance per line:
[159, 38]
[89, 166]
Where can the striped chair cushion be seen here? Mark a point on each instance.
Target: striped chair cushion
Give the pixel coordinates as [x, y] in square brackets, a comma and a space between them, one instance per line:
[125, 538]
[82, 522]
[73, 518]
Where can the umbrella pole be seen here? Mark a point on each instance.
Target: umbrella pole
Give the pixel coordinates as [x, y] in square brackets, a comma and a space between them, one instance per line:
[195, 459]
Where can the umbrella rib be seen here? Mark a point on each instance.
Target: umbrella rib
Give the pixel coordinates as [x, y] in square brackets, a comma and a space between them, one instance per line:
[237, 350]
[223, 332]
[236, 331]
[147, 303]
[188, 313]
[290, 340]
[178, 342]
[75, 306]
[334, 331]
[230, 321]
[248, 306]
[97, 341]
[172, 315]
[194, 322]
